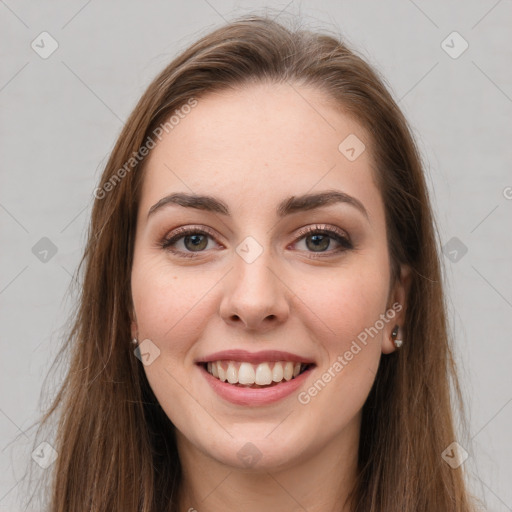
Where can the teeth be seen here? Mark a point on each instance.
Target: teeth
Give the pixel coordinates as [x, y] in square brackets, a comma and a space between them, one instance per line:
[221, 372]
[263, 374]
[288, 371]
[277, 373]
[247, 374]
[232, 374]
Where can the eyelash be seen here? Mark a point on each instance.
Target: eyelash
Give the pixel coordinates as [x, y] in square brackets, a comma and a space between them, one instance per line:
[336, 235]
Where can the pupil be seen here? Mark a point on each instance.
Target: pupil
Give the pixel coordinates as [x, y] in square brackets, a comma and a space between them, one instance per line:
[319, 238]
[196, 241]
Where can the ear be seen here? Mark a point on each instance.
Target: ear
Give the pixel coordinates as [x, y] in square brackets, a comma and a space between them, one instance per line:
[397, 303]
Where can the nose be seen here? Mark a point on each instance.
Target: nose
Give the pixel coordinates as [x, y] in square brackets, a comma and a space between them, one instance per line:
[255, 297]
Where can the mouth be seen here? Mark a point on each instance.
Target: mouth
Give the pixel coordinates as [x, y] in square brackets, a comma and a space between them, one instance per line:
[265, 374]
[255, 379]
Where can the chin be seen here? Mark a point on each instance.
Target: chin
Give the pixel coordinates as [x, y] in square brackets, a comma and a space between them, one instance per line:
[255, 455]
[254, 448]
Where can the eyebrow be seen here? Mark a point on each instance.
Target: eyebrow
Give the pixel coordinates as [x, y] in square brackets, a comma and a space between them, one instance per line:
[293, 204]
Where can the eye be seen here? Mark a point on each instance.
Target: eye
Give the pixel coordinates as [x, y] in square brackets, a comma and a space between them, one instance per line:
[194, 240]
[317, 238]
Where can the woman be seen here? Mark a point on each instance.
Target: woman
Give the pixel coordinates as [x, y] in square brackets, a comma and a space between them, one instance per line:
[262, 323]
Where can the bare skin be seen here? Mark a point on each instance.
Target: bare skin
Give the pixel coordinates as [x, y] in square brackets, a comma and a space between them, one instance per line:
[310, 296]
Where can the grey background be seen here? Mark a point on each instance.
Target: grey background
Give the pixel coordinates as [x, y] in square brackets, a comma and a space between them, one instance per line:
[60, 117]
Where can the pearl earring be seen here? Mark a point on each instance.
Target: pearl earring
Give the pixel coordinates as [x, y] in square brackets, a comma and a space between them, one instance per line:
[135, 341]
[394, 334]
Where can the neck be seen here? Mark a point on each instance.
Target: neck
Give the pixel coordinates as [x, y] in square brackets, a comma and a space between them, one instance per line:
[317, 483]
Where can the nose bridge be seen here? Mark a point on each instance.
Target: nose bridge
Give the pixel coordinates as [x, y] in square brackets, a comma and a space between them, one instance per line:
[254, 278]
[255, 292]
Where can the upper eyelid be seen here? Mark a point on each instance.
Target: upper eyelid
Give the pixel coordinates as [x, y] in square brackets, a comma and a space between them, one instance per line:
[318, 227]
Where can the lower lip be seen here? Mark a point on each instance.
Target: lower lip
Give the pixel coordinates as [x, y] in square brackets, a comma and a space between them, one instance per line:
[253, 396]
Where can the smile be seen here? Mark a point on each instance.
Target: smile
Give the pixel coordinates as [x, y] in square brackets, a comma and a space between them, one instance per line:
[264, 374]
[252, 379]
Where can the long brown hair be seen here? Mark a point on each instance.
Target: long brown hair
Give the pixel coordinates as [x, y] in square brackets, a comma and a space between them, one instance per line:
[116, 446]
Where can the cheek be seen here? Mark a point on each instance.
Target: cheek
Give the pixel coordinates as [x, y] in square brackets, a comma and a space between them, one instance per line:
[343, 304]
[171, 311]
[345, 317]
[348, 315]
[170, 307]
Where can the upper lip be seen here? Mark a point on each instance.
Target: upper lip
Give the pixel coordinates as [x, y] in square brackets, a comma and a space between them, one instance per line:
[254, 357]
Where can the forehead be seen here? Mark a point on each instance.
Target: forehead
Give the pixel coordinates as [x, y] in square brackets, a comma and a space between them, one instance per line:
[259, 144]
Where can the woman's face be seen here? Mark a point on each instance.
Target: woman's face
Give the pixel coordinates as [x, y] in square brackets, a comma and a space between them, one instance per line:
[268, 280]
